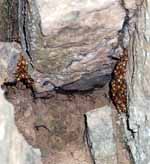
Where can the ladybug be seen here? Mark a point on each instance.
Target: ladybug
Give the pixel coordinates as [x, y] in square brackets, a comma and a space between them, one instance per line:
[21, 73]
[118, 85]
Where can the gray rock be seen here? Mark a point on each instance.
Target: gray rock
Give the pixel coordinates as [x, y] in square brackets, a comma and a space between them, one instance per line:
[8, 21]
[138, 77]
[13, 147]
[9, 54]
[100, 134]
[68, 40]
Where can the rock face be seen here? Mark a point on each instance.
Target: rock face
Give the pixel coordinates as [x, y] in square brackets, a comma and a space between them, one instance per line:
[14, 149]
[9, 20]
[100, 136]
[70, 42]
[9, 55]
[138, 129]
[70, 45]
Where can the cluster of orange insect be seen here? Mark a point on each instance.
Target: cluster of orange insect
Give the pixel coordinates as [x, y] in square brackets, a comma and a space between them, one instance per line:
[21, 73]
[119, 85]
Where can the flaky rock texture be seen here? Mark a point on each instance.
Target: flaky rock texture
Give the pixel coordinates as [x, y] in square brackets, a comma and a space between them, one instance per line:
[14, 149]
[138, 127]
[71, 42]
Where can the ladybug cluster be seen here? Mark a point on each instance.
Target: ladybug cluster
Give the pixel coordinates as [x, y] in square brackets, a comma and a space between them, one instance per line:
[21, 73]
[118, 86]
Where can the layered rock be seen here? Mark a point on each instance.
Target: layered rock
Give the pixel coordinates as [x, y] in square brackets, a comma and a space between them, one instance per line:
[138, 78]
[71, 43]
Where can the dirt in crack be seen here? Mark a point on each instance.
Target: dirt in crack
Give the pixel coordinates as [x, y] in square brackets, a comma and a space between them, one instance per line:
[55, 125]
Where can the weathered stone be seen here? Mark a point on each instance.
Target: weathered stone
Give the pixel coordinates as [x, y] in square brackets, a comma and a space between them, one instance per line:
[69, 41]
[131, 5]
[14, 149]
[9, 53]
[138, 126]
[100, 134]
[56, 124]
[9, 20]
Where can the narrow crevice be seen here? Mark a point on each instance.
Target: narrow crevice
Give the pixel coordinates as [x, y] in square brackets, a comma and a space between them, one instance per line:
[25, 6]
[38, 127]
[87, 140]
[132, 161]
[132, 132]
[123, 43]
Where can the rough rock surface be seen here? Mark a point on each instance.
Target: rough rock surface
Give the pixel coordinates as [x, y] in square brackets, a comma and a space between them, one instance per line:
[70, 42]
[138, 128]
[13, 147]
[56, 124]
[70, 45]
[9, 30]
[9, 54]
[100, 135]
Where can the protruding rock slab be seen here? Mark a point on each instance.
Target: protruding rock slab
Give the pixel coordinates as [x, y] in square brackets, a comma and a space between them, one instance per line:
[100, 135]
[13, 147]
[71, 42]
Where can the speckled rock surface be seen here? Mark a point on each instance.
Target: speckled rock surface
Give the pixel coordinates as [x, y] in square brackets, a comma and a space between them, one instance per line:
[100, 134]
[138, 129]
[70, 42]
[14, 149]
